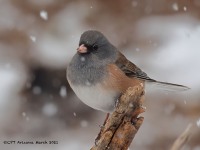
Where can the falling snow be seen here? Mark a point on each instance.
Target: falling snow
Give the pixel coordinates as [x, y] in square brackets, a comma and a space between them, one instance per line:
[185, 8]
[198, 123]
[88, 83]
[37, 90]
[82, 58]
[50, 109]
[63, 91]
[23, 114]
[84, 123]
[33, 38]
[137, 49]
[175, 7]
[44, 15]
[74, 114]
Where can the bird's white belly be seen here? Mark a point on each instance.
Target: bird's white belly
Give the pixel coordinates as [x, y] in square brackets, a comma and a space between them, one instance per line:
[96, 96]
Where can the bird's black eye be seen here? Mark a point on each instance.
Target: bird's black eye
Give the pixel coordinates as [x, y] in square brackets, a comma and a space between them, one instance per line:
[95, 47]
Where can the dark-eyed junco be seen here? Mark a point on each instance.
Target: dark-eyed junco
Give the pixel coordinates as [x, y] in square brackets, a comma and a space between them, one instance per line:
[98, 73]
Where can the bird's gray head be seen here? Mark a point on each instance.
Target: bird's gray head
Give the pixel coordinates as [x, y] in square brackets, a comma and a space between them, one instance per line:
[95, 43]
[90, 62]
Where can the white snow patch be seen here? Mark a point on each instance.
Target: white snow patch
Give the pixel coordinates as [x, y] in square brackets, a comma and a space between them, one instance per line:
[82, 58]
[44, 15]
[50, 109]
[198, 123]
[175, 7]
[33, 38]
[23, 114]
[185, 8]
[84, 123]
[63, 91]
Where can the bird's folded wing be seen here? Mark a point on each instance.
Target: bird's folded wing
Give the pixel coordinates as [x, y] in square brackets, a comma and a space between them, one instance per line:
[131, 70]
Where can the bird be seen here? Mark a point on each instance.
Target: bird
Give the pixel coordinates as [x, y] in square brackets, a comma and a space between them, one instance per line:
[99, 73]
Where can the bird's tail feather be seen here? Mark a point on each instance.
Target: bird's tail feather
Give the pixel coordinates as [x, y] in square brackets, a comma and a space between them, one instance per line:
[169, 86]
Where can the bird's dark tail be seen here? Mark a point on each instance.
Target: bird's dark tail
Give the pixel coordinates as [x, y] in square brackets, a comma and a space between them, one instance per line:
[169, 86]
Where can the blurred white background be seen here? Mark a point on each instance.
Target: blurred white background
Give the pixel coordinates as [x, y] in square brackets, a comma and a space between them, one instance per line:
[39, 37]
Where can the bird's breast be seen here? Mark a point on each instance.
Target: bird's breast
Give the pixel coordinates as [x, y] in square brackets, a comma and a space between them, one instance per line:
[96, 96]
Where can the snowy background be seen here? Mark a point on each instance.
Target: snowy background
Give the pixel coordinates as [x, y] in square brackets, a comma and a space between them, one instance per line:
[38, 39]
